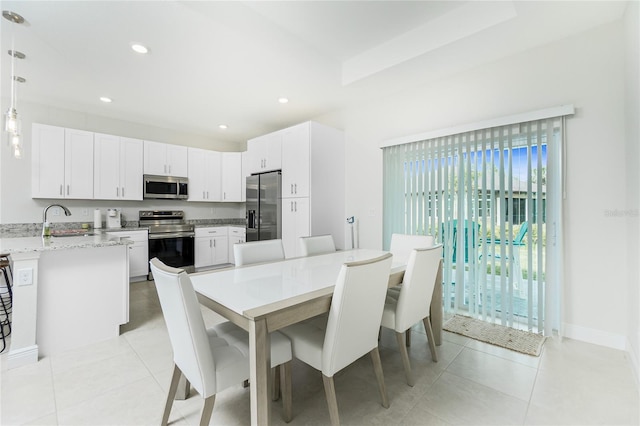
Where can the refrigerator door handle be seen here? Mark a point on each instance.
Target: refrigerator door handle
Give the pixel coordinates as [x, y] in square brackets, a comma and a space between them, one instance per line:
[251, 219]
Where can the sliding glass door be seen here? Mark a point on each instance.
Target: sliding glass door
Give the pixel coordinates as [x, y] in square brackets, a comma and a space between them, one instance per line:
[486, 196]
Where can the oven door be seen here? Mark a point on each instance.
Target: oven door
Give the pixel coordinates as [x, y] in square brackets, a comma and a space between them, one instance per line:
[175, 250]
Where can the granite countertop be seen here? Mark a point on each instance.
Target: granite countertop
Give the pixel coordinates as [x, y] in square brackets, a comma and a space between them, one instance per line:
[34, 244]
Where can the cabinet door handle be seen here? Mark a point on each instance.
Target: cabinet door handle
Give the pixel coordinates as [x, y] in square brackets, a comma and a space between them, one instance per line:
[60, 189]
[123, 192]
[214, 243]
[67, 189]
[169, 168]
[207, 195]
[165, 168]
[291, 189]
[117, 192]
[209, 243]
[296, 187]
[291, 202]
[296, 206]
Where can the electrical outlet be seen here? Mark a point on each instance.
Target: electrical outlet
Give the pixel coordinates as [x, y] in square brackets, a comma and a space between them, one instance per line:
[85, 212]
[25, 276]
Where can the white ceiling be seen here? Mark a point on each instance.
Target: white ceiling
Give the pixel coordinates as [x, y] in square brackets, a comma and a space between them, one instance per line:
[229, 61]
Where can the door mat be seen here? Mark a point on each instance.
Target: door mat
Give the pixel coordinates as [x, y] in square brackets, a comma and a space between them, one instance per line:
[495, 334]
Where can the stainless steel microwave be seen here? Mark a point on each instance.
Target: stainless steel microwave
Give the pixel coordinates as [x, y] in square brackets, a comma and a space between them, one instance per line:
[165, 187]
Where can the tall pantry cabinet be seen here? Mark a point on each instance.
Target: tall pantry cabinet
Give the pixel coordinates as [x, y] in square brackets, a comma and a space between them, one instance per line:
[313, 186]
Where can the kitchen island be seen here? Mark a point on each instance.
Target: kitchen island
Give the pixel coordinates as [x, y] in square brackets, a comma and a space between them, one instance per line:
[68, 292]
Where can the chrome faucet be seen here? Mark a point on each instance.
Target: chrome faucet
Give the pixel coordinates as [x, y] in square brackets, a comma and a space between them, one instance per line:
[46, 231]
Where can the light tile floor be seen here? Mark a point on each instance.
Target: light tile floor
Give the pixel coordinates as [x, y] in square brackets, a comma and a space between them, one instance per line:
[123, 382]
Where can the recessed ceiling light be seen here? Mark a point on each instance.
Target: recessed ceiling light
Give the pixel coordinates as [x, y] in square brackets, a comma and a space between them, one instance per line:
[223, 127]
[283, 100]
[105, 99]
[137, 47]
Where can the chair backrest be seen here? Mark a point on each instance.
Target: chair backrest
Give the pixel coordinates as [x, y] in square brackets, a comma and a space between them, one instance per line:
[258, 251]
[416, 292]
[319, 244]
[187, 332]
[402, 245]
[355, 313]
[518, 240]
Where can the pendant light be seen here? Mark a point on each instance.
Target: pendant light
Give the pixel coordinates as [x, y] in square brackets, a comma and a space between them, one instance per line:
[12, 124]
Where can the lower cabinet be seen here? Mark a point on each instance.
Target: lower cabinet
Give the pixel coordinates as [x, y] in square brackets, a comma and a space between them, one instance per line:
[237, 235]
[211, 246]
[138, 253]
[295, 224]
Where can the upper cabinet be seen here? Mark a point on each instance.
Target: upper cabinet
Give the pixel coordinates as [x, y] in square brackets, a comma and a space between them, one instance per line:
[204, 175]
[265, 153]
[117, 168]
[165, 159]
[61, 162]
[232, 176]
[295, 161]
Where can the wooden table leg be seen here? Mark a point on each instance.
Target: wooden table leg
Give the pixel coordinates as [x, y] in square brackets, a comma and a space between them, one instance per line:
[260, 360]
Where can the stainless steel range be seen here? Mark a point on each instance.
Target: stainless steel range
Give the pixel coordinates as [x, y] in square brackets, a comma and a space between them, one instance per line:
[170, 239]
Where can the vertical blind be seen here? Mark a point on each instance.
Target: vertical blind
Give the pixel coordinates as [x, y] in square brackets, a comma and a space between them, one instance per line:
[485, 195]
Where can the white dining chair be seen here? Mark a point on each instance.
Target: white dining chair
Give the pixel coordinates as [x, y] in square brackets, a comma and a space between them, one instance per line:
[258, 251]
[319, 244]
[401, 246]
[210, 359]
[414, 301]
[351, 330]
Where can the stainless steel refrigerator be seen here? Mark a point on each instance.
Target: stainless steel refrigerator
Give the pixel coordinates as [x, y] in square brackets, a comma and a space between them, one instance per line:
[264, 211]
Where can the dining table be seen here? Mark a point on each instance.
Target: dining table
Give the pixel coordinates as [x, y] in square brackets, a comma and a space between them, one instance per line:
[265, 297]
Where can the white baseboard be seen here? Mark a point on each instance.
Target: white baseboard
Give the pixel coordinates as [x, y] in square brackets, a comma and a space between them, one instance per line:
[597, 337]
[22, 356]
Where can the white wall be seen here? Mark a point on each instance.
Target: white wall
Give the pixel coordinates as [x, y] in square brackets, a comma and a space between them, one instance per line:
[632, 115]
[17, 206]
[585, 70]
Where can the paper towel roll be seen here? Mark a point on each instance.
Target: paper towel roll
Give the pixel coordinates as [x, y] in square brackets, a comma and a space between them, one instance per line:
[97, 219]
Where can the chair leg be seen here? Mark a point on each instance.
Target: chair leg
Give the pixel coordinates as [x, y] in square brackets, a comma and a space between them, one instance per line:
[377, 368]
[207, 410]
[332, 402]
[173, 388]
[287, 403]
[275, 383]
[432, 343]
[405, 358]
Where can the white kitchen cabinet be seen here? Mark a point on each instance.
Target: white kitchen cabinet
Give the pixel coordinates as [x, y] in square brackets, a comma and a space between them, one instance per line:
[295, 224]
[117, 168]
[138, 252]
[232, 176]
[296, 161]
[265, 153]
[237, 235]
[61, 162]
[165, 159]
[205, 179]
[211, 246]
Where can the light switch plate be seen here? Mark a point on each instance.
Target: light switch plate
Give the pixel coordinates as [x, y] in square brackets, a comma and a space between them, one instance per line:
[25, 276]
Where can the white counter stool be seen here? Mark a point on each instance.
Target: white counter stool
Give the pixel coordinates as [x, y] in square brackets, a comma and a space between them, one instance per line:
[210, 359]
[6, 300]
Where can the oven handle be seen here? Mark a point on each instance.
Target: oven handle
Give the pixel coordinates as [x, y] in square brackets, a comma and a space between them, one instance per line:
[171, 235]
